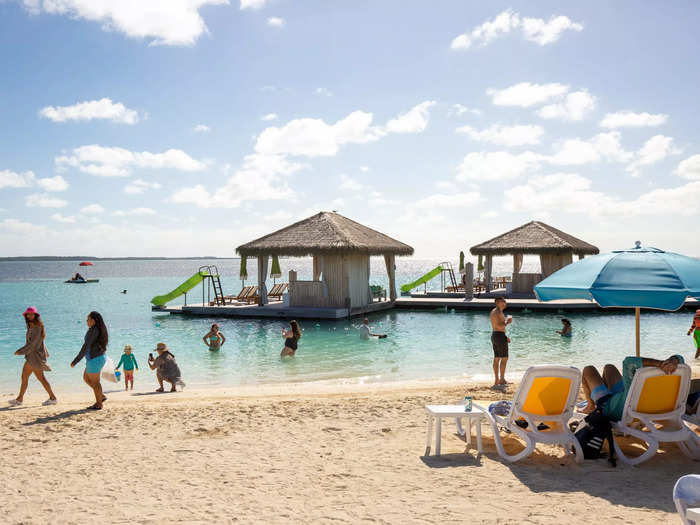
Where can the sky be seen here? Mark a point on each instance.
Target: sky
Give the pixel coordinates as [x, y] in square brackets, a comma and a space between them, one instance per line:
[189, 127]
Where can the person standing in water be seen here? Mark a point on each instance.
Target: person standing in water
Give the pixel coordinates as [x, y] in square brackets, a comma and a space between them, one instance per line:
[565, 328]
[291, 338]
[93, 350]
[499, 341]
[214, 339]
[35, 355]
[695, 330]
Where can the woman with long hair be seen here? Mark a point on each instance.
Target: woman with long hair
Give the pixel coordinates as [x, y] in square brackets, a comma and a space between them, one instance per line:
[93, 351]
[35, 355]
[291, 337]
[214, 339]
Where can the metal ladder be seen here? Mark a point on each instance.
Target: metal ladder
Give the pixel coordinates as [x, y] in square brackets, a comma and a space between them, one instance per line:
[212, 272]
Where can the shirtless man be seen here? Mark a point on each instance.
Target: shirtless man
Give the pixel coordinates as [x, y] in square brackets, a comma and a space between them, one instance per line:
[500, 341]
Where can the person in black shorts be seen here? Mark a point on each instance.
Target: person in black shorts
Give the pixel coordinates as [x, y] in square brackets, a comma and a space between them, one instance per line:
[291, 337]
[500, 341]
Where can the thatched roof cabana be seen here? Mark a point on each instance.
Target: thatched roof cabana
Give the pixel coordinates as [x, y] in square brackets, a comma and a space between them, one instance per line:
[555, 248]
[325, 233]
[534, 238]
[340, 248]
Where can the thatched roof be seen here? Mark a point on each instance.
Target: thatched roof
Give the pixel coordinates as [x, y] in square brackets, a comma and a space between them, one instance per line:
[325, 233]
[534, 238]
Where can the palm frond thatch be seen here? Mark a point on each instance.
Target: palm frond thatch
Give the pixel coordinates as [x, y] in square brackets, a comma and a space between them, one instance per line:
[324, 233]
[534, 238]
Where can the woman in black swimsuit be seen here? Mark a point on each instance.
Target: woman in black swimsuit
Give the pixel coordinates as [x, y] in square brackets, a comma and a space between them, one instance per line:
[290, 339]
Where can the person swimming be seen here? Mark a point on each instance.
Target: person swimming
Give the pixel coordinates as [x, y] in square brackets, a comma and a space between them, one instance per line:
[565, 329]
[214, 339]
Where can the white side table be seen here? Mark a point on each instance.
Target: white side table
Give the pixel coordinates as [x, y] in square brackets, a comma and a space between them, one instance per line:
[693, 514]
[437, 412]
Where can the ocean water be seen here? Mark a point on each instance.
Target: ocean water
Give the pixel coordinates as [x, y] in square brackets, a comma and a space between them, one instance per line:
[421, 344]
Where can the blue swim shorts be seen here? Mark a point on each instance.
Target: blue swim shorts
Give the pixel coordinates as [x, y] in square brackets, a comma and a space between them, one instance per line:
[602, 390]
[94, 366]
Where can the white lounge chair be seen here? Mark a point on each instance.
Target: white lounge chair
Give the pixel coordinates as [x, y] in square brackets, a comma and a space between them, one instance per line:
[686, 494]
[545, 397]
[654, 411]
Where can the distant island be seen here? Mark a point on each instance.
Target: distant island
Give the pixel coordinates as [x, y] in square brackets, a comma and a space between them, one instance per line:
[90, 258]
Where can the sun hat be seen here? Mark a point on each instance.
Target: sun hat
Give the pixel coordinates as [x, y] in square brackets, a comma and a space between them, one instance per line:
[161, 346]
[31, 310]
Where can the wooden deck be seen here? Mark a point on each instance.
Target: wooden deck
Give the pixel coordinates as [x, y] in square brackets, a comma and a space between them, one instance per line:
[275, 310]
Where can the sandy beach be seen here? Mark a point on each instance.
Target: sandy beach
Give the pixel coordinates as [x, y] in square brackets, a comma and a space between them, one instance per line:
[299, 454]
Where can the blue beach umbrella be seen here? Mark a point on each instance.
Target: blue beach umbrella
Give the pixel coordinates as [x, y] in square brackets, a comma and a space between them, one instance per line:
[637, 278]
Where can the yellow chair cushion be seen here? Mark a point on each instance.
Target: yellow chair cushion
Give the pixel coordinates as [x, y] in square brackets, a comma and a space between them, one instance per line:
[547, 396]
[659, 394]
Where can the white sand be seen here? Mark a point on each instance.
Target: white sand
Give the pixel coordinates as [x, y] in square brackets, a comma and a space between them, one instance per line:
[299, 454]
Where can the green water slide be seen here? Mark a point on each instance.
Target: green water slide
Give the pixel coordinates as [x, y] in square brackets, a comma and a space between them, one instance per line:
[422, 280]
[160, 300]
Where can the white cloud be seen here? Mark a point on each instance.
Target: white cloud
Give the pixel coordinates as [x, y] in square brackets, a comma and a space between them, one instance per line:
[536, 30]
[17, 227]
[497, 165]
[260, 178]
[487, 32]
[269, 117]
[56, 183]
[573, 193]
[364, 169]
[349, 184]
[253, 4]
[12, 179]
[62, 218]
[505, 135]
[488, 214]
[459, 109]
[44, 200]
[275, 21]
[139, 186]
[134, 211]
[201, 128]
[92, 209]
[414, 120]
[166, 22]
[689, 168]
[323, 92]
[629, 119]
[440, 201]
[103, 109]
[603, 146]
[575, 107]
[119, 162]
[315, 138]
[655, 149]
[446, 185]
[526, 94]
[546, 32]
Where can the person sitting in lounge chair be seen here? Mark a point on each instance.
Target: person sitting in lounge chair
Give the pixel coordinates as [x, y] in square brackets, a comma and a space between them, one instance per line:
[610, 390]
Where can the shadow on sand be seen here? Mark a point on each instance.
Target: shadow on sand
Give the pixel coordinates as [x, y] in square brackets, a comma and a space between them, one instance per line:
[57, 417]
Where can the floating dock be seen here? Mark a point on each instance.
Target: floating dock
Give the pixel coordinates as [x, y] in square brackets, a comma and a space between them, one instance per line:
[277, 310]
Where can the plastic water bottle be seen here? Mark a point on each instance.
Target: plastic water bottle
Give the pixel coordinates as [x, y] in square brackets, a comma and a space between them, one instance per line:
[467, 403]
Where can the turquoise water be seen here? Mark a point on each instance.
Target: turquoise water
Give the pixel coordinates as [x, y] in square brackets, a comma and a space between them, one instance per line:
[421, 344]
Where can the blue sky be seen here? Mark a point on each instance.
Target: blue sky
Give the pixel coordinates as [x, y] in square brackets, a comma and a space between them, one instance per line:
[185, 128]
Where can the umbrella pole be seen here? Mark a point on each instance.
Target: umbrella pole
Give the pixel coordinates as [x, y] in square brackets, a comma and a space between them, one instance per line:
[636, 323]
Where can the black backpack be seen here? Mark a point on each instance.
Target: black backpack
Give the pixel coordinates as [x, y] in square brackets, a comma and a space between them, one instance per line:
[594, 433]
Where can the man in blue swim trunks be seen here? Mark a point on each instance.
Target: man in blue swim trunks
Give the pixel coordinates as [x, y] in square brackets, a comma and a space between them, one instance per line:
[614, 386]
